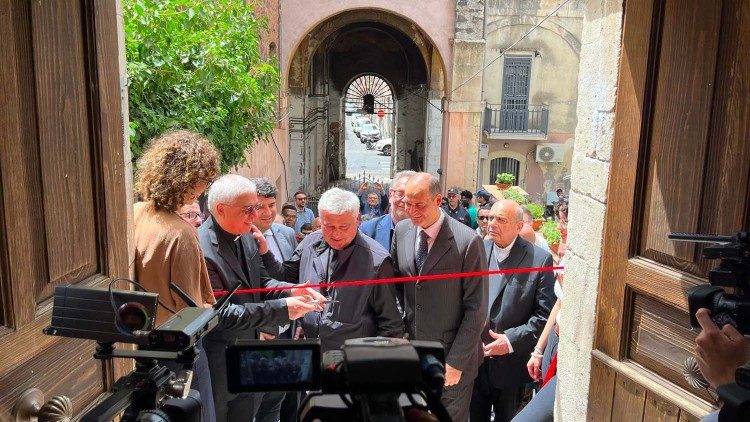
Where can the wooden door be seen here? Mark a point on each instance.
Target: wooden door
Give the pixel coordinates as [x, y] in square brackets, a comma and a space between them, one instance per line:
[680, 163]
[63, 201]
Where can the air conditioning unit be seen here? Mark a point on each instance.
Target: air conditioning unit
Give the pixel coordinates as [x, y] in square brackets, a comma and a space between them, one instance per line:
[550, 153]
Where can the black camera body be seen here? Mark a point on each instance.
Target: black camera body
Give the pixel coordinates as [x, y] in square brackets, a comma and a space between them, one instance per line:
[368, 378]
[733, 272]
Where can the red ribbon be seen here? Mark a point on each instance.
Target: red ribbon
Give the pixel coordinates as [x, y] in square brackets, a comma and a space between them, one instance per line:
[393, 280]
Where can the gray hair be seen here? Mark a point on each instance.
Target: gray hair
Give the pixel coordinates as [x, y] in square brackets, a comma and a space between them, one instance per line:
[227, 188]
[434, 185]
[338, 201]
[402, 175]
[265, 188]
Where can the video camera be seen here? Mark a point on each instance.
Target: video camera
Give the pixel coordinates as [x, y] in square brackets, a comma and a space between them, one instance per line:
[733, 271]
[159, 387]
[372, 378]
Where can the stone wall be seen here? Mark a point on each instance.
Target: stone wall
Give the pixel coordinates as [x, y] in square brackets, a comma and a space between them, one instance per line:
[597, 89]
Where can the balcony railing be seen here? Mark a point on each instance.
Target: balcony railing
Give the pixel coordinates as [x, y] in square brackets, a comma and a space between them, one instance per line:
[531, 120]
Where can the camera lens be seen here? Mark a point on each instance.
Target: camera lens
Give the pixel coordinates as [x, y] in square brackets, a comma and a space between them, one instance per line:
[132, 317]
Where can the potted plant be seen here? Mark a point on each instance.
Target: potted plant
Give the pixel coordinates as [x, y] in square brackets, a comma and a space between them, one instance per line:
[514, 195]
[537, 213]
[504, 180]
[550, 232]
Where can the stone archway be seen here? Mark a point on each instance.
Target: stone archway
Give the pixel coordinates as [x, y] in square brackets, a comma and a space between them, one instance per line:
[325, 62]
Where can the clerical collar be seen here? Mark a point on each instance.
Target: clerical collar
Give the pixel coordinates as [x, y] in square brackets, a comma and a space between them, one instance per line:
[501, 254]
[225, 234]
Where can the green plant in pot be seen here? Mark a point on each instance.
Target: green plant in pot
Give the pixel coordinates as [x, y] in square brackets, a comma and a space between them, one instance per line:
[537, 213]
[504, 180]
[552, 234]
[514, 195]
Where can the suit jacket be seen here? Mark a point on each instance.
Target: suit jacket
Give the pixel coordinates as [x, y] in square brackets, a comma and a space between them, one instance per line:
[452, 311]
[284, 236]
[379, 229]
[287, 242]
[225, 271]
[362, 311]
[520, 309]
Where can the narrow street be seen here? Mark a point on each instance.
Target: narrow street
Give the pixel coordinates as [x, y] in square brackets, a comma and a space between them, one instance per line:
[361, 160]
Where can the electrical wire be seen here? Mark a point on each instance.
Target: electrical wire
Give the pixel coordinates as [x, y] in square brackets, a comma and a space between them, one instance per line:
[559, 6]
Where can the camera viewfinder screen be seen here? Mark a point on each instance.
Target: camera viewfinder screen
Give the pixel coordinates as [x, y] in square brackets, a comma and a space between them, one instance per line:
[280, 369]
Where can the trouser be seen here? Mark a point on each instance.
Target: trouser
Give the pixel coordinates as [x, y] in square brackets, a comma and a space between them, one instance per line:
[267, 406]
[486, 398]
[549, 351]
[541, 407]
[290, 407]
[457, 398]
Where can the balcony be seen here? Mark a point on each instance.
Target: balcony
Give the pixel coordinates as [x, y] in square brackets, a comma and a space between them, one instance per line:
[506, 123]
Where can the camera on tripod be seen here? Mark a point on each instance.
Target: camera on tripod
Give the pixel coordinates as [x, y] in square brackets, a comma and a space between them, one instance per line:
[373, 378]
[733, 272]
[159, 387]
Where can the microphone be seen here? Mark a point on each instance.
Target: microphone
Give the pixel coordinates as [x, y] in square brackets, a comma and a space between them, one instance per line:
[693, 374]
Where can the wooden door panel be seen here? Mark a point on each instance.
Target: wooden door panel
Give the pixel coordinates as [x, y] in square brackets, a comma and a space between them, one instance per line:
[63, 191]
[681, 163]
[681, 114]
[64, 144]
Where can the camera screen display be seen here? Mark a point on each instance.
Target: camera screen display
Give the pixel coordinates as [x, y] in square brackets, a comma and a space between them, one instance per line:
[273, 366]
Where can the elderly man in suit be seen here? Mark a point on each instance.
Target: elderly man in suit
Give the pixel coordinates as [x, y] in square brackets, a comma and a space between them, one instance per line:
[452, 311]
[281, 241]
[339, 252]
[232, 257]
[381, 228]
[519, 305]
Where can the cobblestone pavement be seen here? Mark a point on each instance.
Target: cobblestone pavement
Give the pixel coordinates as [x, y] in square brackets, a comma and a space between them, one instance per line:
[359, 159]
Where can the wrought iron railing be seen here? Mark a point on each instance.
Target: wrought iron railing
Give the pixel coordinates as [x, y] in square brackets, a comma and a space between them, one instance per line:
[499, 119]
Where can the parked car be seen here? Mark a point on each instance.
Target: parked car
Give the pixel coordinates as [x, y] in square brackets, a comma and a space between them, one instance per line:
[350, 108]
[369, 133]
[384, 146]
[359, 123]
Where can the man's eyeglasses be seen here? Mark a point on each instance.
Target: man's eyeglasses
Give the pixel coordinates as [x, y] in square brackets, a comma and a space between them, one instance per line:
[483, 217]
[190, 215]
[452, 195]
[248, 209]
[398, 194]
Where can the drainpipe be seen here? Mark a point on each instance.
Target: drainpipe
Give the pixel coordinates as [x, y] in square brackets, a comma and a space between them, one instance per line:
[481, 99]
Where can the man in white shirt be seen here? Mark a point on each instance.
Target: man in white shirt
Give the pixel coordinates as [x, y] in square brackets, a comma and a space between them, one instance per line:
[518, 307]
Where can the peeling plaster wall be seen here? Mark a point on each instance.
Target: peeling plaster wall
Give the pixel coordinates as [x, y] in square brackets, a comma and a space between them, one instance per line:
[597, 88]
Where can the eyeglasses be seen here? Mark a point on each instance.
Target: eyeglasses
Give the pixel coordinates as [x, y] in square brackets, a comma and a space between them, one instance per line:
[398, 194]
[452, 195]
[483, 217]
[301, 198]
[190, 215]
[248, 209]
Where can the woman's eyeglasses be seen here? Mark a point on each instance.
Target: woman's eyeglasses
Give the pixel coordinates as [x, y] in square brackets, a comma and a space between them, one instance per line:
[189, 215]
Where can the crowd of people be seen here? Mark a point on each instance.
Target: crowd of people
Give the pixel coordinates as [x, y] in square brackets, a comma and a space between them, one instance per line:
[498, 331]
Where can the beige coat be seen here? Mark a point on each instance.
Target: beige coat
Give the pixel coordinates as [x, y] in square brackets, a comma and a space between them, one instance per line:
[167, 249]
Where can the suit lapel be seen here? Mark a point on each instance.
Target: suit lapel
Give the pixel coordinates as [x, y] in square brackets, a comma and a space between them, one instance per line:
[284, 246]
[517, 253]
[407, 244]
[442, 244]
[225, 251]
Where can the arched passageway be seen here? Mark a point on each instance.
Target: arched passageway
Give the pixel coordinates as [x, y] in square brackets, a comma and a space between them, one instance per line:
[322, 71]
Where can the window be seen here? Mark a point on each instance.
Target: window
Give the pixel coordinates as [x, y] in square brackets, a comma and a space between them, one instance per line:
[515, 102]
[504, 165]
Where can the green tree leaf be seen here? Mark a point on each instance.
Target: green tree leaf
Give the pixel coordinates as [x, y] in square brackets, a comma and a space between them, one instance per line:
[196, 64]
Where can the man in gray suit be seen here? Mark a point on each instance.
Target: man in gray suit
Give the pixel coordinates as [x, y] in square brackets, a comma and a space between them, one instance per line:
[275, 405]
[452, 311]
[340, 252]
[232, 257]
[519, 305]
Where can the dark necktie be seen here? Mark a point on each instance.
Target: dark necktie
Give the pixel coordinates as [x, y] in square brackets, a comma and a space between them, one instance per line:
[421, 250]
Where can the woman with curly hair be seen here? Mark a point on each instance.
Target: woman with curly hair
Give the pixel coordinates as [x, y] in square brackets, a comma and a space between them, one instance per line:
[175, 170]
